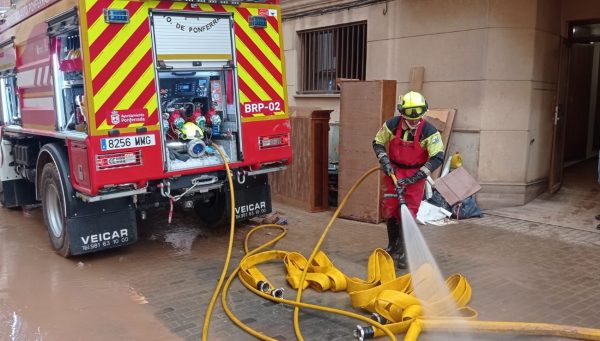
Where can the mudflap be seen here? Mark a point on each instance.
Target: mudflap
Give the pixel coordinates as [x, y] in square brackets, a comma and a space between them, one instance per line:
[17, 193]
[93, 226]
[252, 198]
[99, 232]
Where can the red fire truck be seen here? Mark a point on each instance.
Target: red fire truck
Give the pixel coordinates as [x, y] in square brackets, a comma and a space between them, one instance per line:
[111, 108]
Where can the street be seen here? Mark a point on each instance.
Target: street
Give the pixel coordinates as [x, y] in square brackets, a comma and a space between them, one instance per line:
[131, 130]
[159, 288]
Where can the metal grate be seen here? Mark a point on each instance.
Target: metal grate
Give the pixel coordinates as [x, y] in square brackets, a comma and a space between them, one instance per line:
[329, 53]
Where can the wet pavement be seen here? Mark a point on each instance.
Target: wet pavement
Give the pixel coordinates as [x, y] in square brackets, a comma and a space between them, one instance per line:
[159, 288]
[46, 297]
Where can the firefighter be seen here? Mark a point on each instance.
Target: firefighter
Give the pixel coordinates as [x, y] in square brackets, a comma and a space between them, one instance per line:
[415, 150]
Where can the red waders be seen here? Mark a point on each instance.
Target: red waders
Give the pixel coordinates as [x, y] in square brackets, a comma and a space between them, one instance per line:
[408, 157]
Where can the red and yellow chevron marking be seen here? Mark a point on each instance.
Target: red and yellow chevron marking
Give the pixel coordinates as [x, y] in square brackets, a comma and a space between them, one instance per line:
[120, 67]
[260, 67]
[119, 61]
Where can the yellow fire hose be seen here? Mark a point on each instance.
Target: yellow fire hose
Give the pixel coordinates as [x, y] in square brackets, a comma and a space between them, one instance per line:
[390, 298]
[257, 334]
[213, 299]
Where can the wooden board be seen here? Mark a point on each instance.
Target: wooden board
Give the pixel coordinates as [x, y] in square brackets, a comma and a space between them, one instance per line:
[443, 121]
[364, 106]
[416, 79]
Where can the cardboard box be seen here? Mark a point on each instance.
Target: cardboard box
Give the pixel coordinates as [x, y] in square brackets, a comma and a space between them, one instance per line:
[457, 186]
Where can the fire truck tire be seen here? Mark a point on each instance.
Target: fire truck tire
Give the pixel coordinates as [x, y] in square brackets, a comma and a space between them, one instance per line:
[214, 213]
[53, 207]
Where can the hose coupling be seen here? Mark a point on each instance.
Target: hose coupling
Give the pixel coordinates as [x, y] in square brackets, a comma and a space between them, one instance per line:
[263, 286]
[278, 293]
[378, 318]
[364, 333]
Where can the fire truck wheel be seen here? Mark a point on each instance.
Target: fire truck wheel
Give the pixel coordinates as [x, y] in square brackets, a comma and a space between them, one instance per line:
[53, 206]
[213, 213]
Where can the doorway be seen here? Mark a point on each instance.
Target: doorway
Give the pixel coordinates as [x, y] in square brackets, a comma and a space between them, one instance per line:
[574, 191]
[582, 137]
[577, 115]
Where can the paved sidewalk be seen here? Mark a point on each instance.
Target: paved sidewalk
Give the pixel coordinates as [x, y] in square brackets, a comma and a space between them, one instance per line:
[574, 205]
[519, 271]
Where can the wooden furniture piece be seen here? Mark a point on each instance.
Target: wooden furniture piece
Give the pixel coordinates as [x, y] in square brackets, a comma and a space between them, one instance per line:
[364, 106]
[304, 183]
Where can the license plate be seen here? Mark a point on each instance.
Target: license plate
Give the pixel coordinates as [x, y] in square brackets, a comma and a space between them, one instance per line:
[115, 143]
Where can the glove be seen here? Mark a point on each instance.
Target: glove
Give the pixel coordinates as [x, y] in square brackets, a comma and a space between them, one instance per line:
[386, 165]
[412, 179]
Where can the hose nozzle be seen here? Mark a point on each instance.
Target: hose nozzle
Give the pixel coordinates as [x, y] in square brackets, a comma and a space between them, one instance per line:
[263, 286]
[364, 333]
[277, 293]
[400, 193]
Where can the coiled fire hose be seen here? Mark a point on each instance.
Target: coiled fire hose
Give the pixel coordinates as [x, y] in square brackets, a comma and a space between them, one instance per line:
[389, 298]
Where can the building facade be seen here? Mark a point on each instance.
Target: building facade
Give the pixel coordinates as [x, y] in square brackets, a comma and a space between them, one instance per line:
[495, 61]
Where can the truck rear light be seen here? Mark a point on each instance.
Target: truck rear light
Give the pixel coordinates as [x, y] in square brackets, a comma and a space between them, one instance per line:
[265, 142]
[118, 160]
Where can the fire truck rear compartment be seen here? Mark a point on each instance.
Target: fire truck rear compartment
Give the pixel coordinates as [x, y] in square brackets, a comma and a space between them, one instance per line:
[196, 81]
[194, 117]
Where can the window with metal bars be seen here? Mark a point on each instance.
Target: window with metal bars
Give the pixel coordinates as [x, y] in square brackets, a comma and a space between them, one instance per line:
[329, 53]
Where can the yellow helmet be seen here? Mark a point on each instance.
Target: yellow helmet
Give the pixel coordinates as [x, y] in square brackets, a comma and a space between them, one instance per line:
[191, 131]
[412, 105]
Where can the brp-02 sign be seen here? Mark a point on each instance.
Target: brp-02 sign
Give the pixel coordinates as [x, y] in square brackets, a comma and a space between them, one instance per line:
[266, 108]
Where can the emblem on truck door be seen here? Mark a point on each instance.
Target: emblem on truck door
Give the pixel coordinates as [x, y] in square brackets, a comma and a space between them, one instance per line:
[115, 118]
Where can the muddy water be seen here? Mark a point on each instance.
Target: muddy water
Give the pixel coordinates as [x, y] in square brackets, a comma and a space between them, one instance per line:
[46, 297]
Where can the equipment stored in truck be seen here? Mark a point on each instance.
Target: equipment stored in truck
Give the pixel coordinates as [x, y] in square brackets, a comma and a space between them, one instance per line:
[111, 109]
